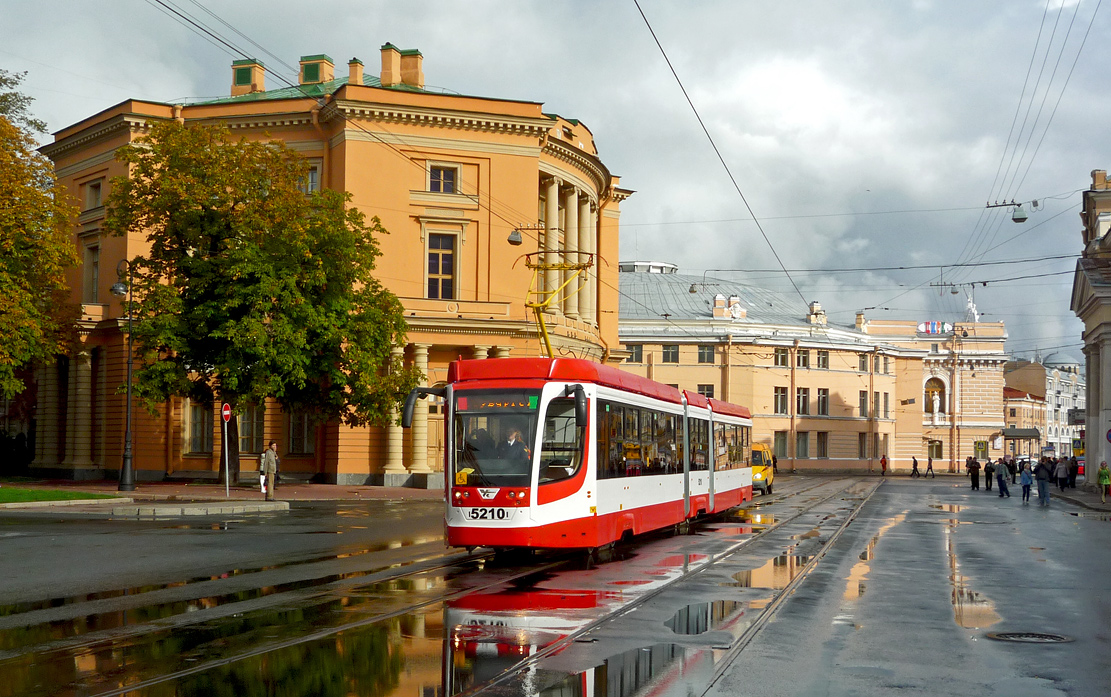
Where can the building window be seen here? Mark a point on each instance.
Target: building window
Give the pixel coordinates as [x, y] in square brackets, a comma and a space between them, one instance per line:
[821, 446]
[441, 267]
[862, 445]
[92, 274]
[94, 192]
[706, 391]
[1012, 411]
[198, 427]
[636, 353]
[935, 348]
[779, 444]
[875, 364]
[705, 354]
[862, 363]
[823, 401]
[671, 353]
[443, 180]
[876, 404]
[886, 405]
[802, 358]
[781, 357]
[310, 183]
[864, 404]
[802, 445]
[302, 440]
[886, 365]
[252, 429]
[781, 400]
[802, 400]
[823, 359]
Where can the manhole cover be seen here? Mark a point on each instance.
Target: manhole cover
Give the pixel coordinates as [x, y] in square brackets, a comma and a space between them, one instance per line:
[1030, 637]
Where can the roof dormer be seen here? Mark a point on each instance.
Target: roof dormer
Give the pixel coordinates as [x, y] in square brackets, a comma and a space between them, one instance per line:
[317, 69]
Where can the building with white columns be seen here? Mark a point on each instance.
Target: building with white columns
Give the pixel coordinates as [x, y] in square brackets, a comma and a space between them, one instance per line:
[450, 176]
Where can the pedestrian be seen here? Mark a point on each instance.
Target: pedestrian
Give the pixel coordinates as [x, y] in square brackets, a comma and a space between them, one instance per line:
[1074, 469]
[989, 471]
[883, 466]
[1062, 474]
[270, 463]
[1012, 468]
[775, 465]
[930, 466]
[1001, 477]
[1103, 479]
[1041, 478]
[914, 467]
[974, 472]
[1027, 481]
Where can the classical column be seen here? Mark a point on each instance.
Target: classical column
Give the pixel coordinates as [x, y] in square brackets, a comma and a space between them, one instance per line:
[46, 416]
[590, 311]
[502, 351]
[571, 247]
[81, 437]
[395, 437]
[420, 415]
[584, 246]
[551, 237]
[481, 351]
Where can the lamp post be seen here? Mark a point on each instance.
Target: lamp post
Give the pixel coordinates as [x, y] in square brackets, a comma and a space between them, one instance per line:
[120, 289]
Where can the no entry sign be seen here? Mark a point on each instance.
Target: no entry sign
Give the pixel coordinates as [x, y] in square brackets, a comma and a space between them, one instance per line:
[225, 411]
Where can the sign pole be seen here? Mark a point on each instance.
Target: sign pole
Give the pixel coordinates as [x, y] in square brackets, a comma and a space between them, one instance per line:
[225, 412]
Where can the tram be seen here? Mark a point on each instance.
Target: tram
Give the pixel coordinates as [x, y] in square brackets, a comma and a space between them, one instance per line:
[563, 453]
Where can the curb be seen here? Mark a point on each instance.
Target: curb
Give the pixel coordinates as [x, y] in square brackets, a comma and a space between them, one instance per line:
[160, 511]
[64, 502]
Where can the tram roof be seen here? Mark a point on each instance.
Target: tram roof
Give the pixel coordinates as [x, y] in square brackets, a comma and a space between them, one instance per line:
[579, 370]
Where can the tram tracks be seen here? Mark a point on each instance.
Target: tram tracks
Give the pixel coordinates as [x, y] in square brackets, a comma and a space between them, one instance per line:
[583, 633]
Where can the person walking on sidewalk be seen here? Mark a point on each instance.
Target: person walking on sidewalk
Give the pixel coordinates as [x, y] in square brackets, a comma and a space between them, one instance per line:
[1062, 474]
[929, 467]
[883, 466]
[974, 472]
[1103, 479]
[1027, 479]
[270, 468]
[1001, 477]
[914, 468]
[989, 472]
[1041, 477]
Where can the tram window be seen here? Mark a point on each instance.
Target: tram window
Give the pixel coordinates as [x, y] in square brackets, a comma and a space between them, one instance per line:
[665, 444]
[700, 437]
[611, 455]
[562, 447]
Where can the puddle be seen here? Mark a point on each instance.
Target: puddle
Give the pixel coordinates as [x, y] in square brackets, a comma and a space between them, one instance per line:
[856, 583]
[1092, 516]
[971, 608]
[704, 617]
[661, 670]
[775, 574]
[948, 507]
[807, 535]
[752, 517]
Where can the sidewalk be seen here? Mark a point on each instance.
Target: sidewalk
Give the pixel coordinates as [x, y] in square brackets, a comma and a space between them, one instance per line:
[160, 500]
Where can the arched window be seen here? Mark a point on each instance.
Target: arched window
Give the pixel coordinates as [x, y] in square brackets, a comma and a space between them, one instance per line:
[935, 396]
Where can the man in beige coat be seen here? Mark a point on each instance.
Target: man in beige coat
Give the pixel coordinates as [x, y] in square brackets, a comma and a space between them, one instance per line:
[270, 468]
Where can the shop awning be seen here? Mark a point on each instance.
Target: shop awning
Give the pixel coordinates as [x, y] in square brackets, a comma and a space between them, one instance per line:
[1022, 433]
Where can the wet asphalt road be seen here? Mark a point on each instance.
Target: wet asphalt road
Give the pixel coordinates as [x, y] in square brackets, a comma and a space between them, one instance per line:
[900, 603]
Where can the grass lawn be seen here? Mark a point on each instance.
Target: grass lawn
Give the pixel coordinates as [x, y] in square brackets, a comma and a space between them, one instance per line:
[14, 495]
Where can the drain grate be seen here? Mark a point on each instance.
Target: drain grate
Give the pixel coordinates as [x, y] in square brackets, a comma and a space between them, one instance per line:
[1030, 637]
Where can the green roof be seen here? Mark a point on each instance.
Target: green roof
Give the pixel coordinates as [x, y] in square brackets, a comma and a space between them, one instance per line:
[248, 61]
[411, 52]
[317, 57]
[311, 91]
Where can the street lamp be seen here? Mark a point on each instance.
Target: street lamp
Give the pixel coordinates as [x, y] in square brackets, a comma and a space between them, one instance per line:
[120, 289]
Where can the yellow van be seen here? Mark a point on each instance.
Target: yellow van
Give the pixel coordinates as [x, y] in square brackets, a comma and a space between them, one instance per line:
[763, 474]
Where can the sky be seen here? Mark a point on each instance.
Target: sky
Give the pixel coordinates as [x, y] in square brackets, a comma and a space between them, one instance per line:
[865, 137]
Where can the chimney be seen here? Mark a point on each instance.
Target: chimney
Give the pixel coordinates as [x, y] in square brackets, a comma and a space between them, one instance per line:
[354, 72]
[317, 69]
[817, 314]
[247, 76]
[861, 323]
[1099, 179]
[391, 65]
[721, 310]
[411, 72]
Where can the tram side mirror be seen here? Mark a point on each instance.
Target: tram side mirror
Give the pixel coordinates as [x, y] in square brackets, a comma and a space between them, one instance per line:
[411, 402]
[581, 413]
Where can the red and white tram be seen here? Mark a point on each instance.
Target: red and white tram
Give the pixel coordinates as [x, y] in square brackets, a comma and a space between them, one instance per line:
[566, 453]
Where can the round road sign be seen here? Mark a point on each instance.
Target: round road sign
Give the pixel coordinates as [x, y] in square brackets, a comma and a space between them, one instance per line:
[225, 411]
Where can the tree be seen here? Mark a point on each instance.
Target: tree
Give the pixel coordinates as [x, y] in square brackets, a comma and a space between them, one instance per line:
[36, 248]
[253, 289]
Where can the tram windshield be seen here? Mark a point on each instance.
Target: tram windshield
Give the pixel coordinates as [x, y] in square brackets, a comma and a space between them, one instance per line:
[494, 433]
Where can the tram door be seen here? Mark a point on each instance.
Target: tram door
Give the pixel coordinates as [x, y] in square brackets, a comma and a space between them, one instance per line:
[701, 463]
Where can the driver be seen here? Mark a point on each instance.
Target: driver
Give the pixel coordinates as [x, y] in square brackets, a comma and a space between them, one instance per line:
[513, 448]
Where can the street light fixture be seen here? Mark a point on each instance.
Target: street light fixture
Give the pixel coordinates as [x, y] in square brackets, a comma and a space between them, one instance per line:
[121, 289]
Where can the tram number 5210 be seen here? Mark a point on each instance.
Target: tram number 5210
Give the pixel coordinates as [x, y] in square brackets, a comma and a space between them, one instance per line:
[487, 513]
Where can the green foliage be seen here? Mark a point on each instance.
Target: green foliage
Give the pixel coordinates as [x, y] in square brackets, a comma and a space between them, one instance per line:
[253, 289]
[36, 250]
[13, 104]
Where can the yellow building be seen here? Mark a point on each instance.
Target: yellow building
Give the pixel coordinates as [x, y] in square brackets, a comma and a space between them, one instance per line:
[823, 397]
[450, 176]
[1024, 414]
